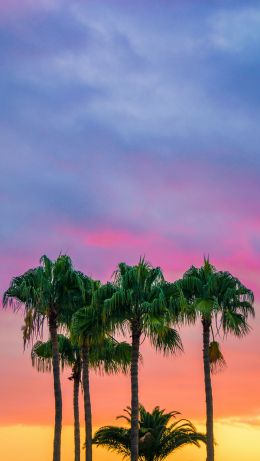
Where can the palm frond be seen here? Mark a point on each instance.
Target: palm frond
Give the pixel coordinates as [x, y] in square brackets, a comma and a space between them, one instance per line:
[165, 339]
[41, 354]
[111, 356]
[52, 287]
[216, 358]
[142, 297]
[113, 438]
[209, 292]
[157, 438]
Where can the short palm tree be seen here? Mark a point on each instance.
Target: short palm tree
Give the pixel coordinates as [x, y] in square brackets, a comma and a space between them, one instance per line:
[49, 292]
[157, 437]
[215, 296]
[139, 306]
[100, 352]
[69, 356]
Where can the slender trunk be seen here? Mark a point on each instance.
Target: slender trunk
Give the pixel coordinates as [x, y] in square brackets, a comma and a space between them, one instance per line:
[208, 390]
[134, 392]
[87, 403]
[76, 384]
[57, 387]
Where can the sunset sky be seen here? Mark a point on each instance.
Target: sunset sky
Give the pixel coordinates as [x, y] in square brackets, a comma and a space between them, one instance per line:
[131, 128]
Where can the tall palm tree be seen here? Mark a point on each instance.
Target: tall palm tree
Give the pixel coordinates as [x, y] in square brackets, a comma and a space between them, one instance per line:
[139, 306]
[69, 356]
[48, 292]
[99, 351]
[219, 297]
[157, 437]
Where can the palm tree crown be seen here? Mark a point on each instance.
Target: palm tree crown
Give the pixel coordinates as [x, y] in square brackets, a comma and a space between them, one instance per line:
[138, 304]
[157, 437]
[52, 289]
[217, 295]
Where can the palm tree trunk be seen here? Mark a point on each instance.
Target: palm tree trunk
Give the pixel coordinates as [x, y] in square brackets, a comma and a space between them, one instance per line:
[208, 390]
[76, 383]
[57, 387]
[87, 403]
[134, 392]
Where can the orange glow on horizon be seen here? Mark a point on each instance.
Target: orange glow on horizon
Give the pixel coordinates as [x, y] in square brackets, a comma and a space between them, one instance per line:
[235, 442]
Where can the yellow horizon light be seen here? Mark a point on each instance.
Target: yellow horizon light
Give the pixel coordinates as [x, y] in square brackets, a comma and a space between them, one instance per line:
[235, 442]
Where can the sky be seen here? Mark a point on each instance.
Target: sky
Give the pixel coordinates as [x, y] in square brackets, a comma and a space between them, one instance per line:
[131, 128]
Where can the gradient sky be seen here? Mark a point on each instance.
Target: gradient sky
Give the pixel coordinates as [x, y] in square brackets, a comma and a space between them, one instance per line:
[131, 128]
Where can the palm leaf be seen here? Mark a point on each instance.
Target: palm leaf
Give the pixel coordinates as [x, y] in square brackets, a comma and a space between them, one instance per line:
[157, 438]
[216, 358]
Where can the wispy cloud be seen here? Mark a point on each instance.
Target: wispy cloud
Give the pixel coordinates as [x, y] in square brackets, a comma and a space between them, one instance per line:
[252, 420]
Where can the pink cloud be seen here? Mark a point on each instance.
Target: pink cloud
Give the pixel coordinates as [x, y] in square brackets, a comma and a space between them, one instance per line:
[107, 238]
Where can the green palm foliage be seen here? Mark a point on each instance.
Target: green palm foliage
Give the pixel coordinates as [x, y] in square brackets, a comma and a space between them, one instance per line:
[110, 356]
[218, 298]
[52, 292]
[139, 306]
[158, 437]
[41, 354]
[99, 351]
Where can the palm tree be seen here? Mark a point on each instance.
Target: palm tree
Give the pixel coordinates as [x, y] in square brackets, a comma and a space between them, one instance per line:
[69, 356]
[215, 296]
[157, 438]
[139, 305]
[49, 292]
[99, 351]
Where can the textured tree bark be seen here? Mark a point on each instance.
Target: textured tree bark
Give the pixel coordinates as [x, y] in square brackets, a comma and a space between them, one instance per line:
[208, 390]
[57, 387]
[134, 392]
[87, 404]
[76, 384]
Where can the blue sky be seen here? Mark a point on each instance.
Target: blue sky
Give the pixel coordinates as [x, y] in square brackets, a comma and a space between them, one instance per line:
[140, 117]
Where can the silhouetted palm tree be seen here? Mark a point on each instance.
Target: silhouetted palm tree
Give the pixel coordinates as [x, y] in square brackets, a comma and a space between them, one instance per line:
[157, 437]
